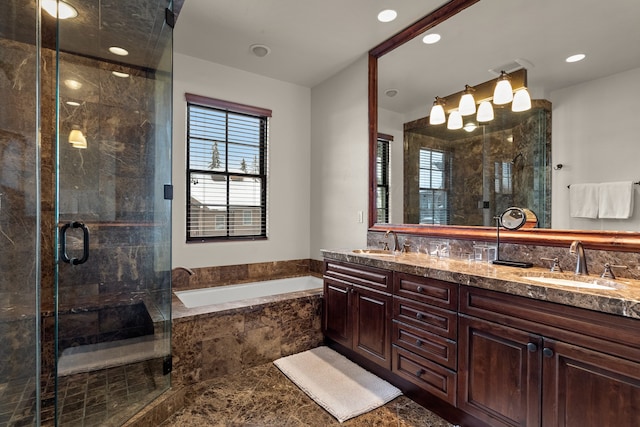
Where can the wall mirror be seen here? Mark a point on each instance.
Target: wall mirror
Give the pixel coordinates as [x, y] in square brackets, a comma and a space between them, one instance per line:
[591, 101]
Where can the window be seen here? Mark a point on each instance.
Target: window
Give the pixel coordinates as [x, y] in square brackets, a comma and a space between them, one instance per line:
[382, 178]
[434, 187]
[503, 175]
[227, 170]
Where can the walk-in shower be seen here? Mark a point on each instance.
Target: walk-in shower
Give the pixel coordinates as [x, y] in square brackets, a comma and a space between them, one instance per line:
[85, 210]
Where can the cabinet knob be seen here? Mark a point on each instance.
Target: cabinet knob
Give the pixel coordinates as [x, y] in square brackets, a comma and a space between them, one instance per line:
[419, 316]
[532, 347]
[420, 289]
[419, 372]
[418, 343]
[547, 352]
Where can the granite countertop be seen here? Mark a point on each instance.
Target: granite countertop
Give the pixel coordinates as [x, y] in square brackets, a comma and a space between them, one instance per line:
[624, 300]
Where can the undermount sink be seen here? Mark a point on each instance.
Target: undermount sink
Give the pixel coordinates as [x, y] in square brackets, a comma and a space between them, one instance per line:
[373, 252]
[587, 282]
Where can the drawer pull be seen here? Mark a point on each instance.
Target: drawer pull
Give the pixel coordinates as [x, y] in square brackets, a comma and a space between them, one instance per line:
[418, 343]
[420, 289]
[532, 347]
[419, 316]
[547, 352]
[419, 372]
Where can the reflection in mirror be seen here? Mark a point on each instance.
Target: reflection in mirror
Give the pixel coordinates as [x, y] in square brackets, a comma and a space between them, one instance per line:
[592, 147]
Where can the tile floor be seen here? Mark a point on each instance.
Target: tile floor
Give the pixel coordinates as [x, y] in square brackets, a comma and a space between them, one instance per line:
[263, 396]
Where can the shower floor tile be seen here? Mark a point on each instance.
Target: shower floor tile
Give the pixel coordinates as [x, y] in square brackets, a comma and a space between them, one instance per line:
[263, 396]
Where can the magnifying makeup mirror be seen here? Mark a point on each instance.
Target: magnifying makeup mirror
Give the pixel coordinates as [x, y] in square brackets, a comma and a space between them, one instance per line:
[513, 218]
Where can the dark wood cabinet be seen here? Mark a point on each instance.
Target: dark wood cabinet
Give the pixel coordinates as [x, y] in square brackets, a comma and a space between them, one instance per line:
[357, 310]
[529, 363]
[425, 330]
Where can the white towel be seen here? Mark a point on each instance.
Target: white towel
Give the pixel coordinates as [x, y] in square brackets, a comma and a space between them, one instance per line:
[583, 200]
[616, 200]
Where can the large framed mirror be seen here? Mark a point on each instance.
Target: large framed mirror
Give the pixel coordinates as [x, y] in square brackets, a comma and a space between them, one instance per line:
[591, 102]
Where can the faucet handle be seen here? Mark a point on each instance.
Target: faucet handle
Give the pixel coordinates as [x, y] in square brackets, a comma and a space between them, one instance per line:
[385, 245]
[406, 246]
[556, 264]
[608, 273]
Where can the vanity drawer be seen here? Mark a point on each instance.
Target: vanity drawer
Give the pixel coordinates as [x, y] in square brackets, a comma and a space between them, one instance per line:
[427, 375]
[430, 346]
[430, 291]
[426, 317]
[371, 277]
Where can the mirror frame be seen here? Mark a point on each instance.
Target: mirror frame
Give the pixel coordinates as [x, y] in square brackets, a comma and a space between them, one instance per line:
[624, 241]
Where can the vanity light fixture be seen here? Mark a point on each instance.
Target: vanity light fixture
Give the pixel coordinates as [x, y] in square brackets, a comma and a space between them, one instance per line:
[118, 51]
[521, 101]
[77, 138]
[455, 120]
[485, 112]
[437, 116]
[387, 15]
[59, 9]
[503, 93]
[467, 102]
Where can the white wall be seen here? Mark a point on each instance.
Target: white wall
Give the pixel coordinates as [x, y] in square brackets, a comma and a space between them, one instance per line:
[339, 160]
[596, 138]
[392, 123]
[289, 163]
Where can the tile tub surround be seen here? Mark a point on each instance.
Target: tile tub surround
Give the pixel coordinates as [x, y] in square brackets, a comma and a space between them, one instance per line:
[222, 339]
[623, 302]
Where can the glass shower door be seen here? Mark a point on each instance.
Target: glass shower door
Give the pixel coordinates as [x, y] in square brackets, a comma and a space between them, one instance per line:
[113, 217]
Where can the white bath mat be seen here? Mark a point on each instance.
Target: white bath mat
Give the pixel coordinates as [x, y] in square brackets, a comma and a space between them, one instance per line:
[337, 384]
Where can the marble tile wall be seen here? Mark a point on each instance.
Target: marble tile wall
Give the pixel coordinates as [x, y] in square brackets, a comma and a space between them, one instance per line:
[219, 343]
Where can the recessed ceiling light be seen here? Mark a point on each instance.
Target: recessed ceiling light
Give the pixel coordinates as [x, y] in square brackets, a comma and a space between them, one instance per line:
[119, 74]
[387, 15]
[118, 51]
[59, 9]
[391, 92]
[576, 58]
[73, 103]
[72, 84]
[431, 38]
[260, 50]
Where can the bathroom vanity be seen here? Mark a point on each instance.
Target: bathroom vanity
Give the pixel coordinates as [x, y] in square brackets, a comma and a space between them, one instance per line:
[488, 345]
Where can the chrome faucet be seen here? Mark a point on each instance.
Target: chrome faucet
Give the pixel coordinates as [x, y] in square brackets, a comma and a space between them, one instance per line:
[395, 239]
[576, 248]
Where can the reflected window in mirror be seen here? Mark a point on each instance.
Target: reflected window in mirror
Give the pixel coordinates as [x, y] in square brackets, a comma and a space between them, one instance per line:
[435, 176]
[382, 171]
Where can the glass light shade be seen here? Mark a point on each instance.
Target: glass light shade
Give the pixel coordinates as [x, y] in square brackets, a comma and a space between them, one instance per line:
[60, 10]
[503, 93]
[77, 139]
[436, 116]
[467, 105]
[521, 101]
[455, 120]
[485, 112]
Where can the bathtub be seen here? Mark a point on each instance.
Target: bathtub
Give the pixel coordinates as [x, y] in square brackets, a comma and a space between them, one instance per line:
[245, 291]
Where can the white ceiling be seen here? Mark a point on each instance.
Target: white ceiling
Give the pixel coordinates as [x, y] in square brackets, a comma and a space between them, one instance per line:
[312, 40]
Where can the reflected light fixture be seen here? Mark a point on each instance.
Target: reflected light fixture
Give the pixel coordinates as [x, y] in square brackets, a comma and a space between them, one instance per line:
[77, 139]
[455, 120]
[437, 116]
[521, 101]
[119, 74]
[72, 84]
[118, 51]
[467, 102]
[503, 93]
[59, 9]
[470, 127]
[485, 112]
[73, 103]
[387, 15]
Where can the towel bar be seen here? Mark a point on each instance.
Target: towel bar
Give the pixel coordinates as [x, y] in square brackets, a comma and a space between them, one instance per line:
[636, 183]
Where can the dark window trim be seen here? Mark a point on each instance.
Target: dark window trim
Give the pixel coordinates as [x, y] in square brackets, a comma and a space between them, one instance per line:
[236, 108]
[384, 186]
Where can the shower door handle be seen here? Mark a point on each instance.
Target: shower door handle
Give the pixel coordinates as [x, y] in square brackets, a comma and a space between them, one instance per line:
[63, 243]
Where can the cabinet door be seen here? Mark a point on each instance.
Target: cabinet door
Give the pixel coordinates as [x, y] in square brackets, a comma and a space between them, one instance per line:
[336, 322]
[372, 331]
[499, 373]
[586, 388]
